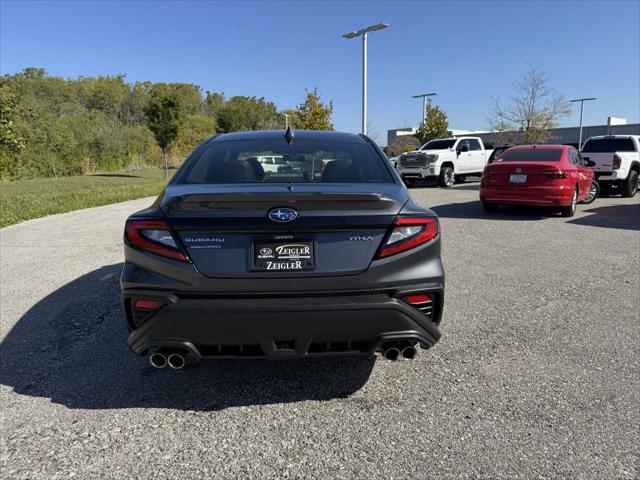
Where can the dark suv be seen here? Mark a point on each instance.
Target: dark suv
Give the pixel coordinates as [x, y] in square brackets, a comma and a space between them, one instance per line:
[232, 261]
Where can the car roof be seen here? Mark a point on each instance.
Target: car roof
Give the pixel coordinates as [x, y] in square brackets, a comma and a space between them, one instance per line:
[319, 135]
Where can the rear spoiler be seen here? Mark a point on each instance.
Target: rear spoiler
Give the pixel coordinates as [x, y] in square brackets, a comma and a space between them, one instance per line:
[274, 198]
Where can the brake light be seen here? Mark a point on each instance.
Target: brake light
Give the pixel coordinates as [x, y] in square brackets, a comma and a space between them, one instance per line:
[555, 173]
[409, 233]
[617, 161]
[153, 236]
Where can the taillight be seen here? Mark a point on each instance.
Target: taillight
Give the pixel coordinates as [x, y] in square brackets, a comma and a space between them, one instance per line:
[617, 161]
[555, 173]
[409, 233]
[153, 236]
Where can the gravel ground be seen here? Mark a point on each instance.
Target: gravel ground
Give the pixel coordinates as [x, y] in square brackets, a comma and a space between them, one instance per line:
[536, 375]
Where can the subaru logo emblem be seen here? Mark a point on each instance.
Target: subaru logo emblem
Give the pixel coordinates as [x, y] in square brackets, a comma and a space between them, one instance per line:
[283, 214]
[518, 170]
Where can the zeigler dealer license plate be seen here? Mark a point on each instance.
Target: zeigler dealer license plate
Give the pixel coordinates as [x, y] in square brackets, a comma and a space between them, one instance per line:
[283, 256]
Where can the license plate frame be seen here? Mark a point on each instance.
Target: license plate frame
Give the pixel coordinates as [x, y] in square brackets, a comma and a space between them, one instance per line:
[283, 255]
[518, 178]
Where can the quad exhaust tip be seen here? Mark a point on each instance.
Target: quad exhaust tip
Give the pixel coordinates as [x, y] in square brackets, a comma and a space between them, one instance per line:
[176, 361]
[405, 350]
[391, 354]
[409, 352]
[158, 360]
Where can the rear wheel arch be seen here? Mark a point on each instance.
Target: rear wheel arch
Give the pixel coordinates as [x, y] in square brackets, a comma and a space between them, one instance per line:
[635, 165]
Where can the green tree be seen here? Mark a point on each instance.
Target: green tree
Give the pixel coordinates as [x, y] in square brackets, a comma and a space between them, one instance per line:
[435, 125]
[246, 113]
[164, 116]
[313, 114]
[9, 138]
[213, 101]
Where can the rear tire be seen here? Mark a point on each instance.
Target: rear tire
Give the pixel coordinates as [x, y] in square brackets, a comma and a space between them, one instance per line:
[447, 178]
[490, 207]
[630, 185]
[594, 192]
[570, 210]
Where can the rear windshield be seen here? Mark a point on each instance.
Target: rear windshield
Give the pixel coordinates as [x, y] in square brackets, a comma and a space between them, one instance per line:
[274, 161]
[532, 155]
[438, 145]
[604, 145]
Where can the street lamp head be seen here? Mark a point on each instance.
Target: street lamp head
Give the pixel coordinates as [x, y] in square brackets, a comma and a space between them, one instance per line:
[424, 95]
[362, 31]
[582, 99]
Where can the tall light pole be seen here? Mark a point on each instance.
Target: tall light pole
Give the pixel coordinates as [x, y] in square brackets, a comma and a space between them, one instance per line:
[424, 103]
[581, 100]
[363, 33]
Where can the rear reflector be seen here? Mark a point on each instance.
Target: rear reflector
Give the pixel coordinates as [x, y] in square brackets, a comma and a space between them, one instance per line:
[418, 298]
[145, 304]
[409, 233]
[153, 236]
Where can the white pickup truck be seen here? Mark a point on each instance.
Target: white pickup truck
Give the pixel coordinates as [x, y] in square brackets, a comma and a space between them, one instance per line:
[617, 161]
[447, 159]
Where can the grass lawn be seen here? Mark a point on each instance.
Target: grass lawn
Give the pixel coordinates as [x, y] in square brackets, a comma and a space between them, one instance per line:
[27, 199]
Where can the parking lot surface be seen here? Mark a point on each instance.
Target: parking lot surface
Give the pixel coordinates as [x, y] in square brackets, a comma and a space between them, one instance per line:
[536, 375]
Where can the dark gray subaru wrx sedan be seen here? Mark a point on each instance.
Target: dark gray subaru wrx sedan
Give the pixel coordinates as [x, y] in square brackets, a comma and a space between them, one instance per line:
[273, 245]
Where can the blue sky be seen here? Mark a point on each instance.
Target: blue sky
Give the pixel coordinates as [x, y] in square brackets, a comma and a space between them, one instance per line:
[465, 51]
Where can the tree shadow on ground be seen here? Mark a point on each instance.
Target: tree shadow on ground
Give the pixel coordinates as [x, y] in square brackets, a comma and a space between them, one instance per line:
[71, 347]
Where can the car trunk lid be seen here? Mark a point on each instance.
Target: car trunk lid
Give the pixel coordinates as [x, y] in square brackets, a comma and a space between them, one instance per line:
[225, 227]
[521, 173]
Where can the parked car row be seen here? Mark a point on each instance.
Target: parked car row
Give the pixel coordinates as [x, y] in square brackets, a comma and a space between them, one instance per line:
[557, 176]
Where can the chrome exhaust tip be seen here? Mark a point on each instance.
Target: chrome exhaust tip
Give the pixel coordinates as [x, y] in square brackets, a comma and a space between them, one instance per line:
[176, 361]
[391, 354]
[409, 352]
[158, 360]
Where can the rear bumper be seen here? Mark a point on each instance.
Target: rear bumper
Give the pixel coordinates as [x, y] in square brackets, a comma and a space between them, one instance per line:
[527, 195]
[349, 323]
[613, 176]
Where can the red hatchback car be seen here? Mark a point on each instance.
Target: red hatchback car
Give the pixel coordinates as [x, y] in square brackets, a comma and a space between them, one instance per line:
[539, 175]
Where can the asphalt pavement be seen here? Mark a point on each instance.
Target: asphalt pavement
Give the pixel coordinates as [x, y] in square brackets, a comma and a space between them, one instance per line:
[536, 374]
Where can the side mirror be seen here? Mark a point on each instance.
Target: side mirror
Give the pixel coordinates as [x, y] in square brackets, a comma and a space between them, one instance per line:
[462, 148]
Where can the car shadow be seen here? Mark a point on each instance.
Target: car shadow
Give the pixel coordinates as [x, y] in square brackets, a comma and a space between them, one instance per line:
[474, 209]
[626, 217]
[71, 347]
